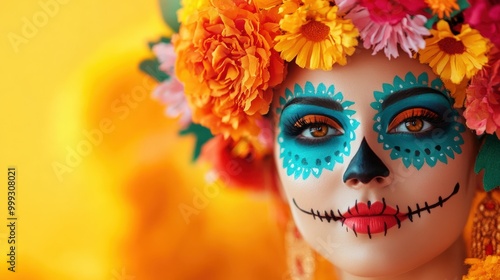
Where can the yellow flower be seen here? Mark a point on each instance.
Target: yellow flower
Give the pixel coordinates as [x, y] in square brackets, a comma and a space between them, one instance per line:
[314, 35]
[189, 7]
[457, 91]
[442, 7]
[455, 57]
[486, 269]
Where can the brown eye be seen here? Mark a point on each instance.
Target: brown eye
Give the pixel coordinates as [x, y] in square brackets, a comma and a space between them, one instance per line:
[318, 126]
[414, 120]
[318, 130]
[414, 125]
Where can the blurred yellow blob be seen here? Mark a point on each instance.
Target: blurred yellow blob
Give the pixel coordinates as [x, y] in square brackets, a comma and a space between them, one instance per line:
[105, 187]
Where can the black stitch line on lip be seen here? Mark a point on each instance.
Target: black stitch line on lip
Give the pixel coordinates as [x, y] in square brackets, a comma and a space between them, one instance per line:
[356, 206]
[354, 229]
[332, 217]
[342, 218]
[327, 217]
[319, 215]
[383, 207]
[385, 228]
[369, 233]
[340, 214]
[410, 215]
[312, 213]
[427, 207]
[396, 216]
[432, 206]
[369, 204]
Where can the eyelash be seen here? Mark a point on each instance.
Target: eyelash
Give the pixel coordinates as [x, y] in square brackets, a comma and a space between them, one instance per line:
[298, 124]
[416, 113]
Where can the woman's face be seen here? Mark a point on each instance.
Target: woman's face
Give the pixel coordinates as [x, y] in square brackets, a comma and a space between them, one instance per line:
[375, 162]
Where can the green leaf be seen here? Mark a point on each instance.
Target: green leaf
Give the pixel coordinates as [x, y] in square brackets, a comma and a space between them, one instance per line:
[151, 67]
[161, 40]
[489, 160]
[462, 5]
[169, 12]
[202, 135]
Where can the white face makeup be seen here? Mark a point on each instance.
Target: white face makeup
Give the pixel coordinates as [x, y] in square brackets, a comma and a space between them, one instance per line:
[375, 163]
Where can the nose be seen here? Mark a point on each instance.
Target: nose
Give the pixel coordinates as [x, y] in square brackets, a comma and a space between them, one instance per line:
[366, 168]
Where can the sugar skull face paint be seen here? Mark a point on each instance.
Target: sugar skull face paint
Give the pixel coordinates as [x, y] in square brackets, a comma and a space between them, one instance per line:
[314, 120]
[416, 121]
[374, 211]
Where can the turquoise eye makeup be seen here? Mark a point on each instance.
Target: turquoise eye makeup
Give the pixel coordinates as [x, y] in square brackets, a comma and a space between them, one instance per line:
[316, 129]
[417, 122]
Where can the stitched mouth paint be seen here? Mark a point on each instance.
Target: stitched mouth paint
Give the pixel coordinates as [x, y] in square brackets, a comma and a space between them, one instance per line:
[372, 218]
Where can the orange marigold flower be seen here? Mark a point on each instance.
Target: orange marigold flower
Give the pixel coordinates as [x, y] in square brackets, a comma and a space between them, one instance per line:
[486, 269]
[455, 57]
[226, 61]
[442, 7]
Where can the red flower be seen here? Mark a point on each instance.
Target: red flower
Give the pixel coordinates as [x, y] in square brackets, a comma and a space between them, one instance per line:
[484, 16]
[249, 172]
[483, 98]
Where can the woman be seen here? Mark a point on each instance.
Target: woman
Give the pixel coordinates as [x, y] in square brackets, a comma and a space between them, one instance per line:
[371, 147]
[386, 218]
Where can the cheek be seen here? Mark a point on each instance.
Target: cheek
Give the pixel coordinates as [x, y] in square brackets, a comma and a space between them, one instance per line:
[439, 145]
[301, 161]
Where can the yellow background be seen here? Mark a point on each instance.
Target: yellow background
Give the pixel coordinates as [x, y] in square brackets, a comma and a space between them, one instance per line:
[101, 173]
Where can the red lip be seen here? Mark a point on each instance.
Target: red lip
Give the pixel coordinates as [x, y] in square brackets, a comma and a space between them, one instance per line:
[374, 218]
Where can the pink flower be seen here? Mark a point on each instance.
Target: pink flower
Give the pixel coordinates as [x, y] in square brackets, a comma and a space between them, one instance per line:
[345, 5]
[408, 32]
[166, 55]
[390, 11]
[482, 111]
[171, 93]
[484, 16]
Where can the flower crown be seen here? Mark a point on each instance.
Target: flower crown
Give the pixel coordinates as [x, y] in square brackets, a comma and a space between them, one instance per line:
[219, 68]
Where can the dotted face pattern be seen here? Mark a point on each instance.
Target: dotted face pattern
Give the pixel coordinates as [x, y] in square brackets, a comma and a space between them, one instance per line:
[305, 156]
[440, 142]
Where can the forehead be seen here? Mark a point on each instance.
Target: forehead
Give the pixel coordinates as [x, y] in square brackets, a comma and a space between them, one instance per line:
[359, 78]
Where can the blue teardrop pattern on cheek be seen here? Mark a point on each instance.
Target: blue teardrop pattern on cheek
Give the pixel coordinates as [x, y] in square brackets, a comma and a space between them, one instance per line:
[303, 160]
[439, 146]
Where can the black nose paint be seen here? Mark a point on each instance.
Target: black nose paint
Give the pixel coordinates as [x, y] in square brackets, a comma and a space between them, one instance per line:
[365, 165]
